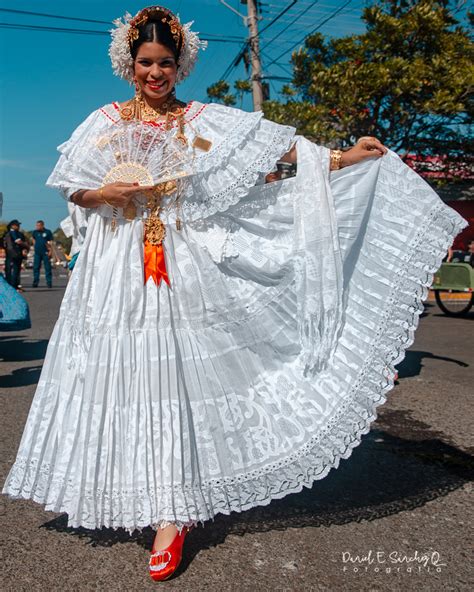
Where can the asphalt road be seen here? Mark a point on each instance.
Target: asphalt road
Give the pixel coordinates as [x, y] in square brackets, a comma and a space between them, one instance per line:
[404, 493]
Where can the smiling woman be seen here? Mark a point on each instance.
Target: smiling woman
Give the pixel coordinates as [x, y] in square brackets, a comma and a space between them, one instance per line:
[154, 77]
[155, 53]
[259, 362]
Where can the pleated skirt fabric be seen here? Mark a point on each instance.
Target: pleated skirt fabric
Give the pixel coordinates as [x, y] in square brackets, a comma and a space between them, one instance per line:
[158, 404]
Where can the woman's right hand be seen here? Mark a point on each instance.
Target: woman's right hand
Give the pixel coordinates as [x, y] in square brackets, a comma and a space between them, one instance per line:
[120, 194]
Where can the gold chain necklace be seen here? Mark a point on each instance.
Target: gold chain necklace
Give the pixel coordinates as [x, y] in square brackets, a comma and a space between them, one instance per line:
[138, 109]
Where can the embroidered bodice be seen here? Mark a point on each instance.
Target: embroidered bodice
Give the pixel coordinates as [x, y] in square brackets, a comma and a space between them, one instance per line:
[244, 147]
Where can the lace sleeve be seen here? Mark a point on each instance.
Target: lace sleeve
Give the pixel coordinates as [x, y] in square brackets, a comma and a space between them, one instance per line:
[62, 177]
[245, 147]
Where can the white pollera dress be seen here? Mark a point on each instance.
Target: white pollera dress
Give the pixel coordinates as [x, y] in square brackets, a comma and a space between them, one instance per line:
[262, 365]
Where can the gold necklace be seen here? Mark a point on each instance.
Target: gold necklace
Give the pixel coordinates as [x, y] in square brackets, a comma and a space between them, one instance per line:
[148, 113]
[138, 109]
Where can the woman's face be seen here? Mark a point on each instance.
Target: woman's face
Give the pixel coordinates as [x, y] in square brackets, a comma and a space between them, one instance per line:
[155, 71]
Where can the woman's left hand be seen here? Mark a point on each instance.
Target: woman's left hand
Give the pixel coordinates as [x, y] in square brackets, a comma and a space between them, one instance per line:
[366, 147]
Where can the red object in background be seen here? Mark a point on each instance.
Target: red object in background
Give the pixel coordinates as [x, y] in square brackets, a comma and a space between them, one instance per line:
[466, 209]
[432, 167]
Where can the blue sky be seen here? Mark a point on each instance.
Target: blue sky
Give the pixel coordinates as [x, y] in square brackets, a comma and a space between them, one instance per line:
[51, 81]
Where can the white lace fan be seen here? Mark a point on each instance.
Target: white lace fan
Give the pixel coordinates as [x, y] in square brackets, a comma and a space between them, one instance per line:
[134, 152]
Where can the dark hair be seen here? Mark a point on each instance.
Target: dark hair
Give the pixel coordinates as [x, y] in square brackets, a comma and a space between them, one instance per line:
[158, 32]
[39, 221]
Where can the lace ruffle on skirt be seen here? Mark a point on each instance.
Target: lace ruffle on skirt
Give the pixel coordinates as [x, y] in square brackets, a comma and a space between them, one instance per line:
[176, 405]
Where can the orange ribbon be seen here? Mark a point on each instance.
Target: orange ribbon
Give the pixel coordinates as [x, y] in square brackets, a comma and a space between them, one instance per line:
[155, 265]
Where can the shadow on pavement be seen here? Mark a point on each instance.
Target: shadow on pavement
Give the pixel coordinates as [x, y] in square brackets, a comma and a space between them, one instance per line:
[21, 377]
[468, 317]
[399, 466]
[413, 363]
[21, 349]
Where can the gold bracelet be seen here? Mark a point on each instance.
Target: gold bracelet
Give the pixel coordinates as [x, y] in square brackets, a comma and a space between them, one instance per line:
[101, 195]
[335, 157]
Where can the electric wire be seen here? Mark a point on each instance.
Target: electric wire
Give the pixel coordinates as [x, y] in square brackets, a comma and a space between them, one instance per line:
[205, 37]
[318, 26]
[284, 11]
[236, 60]
[291, 23]
[56, 16]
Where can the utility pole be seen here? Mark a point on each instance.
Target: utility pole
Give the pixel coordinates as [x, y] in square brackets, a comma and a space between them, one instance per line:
[251, 22]
[254, 44]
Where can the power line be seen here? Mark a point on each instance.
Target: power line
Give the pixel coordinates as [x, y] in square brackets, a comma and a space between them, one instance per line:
[345, 12]
[280, 78]
[204, 37]
[318, 26]
[284, 68]
[292, 23]
[56, 16]
[284, 11]
[86, 20]
[52, 29]
[234, 63]
[236, 60]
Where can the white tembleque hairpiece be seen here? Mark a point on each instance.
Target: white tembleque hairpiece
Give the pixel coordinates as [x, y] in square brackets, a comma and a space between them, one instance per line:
[119, 50]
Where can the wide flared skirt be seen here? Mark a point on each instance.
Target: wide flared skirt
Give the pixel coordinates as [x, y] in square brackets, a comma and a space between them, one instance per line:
[158, 404]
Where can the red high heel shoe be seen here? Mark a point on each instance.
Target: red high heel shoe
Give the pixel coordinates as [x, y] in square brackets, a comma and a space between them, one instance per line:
[163, 563]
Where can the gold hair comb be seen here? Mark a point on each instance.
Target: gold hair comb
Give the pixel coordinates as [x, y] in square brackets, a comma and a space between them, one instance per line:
[142, 17]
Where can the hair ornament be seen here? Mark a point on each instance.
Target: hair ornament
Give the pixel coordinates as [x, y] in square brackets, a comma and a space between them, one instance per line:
[126, 31]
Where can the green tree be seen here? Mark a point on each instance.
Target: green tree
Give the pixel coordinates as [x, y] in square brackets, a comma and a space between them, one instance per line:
[407, 80]
[219, 92]
[62, 239]
[242, 87]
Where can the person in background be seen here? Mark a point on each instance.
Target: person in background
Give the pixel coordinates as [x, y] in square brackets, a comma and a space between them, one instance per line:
[15, 247]
[42, 238]
[470, 253]
[462, 256]
[14, 311]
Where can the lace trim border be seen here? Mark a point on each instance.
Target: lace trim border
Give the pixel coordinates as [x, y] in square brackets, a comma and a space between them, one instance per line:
[278, 144]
